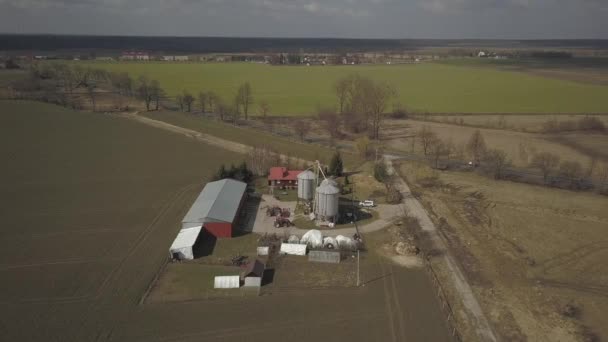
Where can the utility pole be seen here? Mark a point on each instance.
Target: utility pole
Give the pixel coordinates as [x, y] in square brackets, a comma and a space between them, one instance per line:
[358, 279]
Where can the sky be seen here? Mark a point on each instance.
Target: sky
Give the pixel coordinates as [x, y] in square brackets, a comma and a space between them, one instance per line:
[441, 19]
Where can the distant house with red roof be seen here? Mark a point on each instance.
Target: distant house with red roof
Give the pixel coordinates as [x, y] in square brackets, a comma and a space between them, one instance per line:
[283, 178]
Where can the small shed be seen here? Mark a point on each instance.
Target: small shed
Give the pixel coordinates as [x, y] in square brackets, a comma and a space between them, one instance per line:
[253, 273]
[263, 250]
[181, 248]
[226, 282]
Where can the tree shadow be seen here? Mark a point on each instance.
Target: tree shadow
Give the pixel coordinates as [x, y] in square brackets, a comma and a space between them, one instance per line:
[268, 276]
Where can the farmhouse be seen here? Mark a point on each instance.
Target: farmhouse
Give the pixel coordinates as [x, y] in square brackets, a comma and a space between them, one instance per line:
[217, 208]
[283, 178]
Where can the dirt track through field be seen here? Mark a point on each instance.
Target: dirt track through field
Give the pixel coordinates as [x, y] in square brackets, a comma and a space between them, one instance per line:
[475, 314]
[206, 138]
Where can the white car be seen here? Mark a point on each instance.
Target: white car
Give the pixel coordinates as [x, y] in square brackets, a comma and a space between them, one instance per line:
[367, 203]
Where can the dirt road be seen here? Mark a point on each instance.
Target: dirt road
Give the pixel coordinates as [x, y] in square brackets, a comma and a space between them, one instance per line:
[476, 317]
[263, 224]
[206, 138]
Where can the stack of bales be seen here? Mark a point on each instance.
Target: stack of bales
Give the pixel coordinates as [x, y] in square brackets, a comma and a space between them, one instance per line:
[327, 199]
[306, 181]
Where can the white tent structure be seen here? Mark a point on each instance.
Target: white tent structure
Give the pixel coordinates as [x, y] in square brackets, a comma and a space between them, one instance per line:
[182, 245]
[330, 242]
[293, 249]
[345, 242]
[313, 238]
[227, 282]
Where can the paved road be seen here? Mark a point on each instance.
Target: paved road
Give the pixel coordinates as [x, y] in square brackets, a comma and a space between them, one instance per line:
[477, 318]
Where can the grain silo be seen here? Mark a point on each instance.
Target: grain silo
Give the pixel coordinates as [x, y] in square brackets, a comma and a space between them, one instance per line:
[306, 185]
[327, 199]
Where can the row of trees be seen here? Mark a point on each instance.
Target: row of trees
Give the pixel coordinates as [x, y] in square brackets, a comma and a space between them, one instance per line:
[241, 173]
[209, 101]
[64, 84]
[496, 161]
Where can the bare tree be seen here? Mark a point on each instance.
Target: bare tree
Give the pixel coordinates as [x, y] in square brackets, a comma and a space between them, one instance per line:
[156, 93]
[363, 145]
[449, 149]
[476, 146]
[342, 89]
[571, 170]
[212, 99]
[180, 102]
[437, 150]
[188, 100]
[264, 108]
[378, 99]
[260, 160]
[244, 98]
[331, 122]
[92, 94]
[301, 127]
[427, 137]
[222, 109]
[122, 82]
[497, 161]
[546, 162]
[202, 101]
[143, 91]
[591, 167]
[603, 177]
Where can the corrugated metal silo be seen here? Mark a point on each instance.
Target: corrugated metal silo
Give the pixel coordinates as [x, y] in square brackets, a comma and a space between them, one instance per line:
[306, 181]
[327, 198]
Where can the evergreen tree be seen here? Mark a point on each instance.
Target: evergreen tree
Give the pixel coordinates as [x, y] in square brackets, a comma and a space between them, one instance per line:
[221, 173]
[336, 165]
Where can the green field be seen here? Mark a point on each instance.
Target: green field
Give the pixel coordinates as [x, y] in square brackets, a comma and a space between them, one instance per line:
[433, 87]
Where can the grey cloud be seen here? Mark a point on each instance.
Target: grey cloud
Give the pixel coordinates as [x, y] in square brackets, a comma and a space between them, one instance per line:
[310, 18]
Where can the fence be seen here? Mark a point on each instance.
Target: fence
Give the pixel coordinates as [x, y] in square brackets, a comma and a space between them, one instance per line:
[445, 304]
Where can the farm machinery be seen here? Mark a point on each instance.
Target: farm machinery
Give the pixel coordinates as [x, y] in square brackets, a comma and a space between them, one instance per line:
[278, 211]
[281, 222]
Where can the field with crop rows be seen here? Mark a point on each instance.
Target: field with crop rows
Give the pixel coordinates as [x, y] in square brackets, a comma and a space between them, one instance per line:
[91, 203]
[433, 87]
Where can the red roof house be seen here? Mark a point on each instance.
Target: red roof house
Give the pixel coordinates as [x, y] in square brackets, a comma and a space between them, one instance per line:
[283, 178]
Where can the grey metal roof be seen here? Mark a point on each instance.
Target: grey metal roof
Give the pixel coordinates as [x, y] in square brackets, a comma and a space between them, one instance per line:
[218, 202]
[306, 175]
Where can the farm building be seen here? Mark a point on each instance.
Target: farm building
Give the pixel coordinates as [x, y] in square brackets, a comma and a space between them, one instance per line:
[283, 178]
[183, 243]
[135, 56]
[217, 207]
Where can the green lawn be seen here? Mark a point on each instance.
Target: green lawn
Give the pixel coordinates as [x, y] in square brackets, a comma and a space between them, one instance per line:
[251, 137]
[433, 87]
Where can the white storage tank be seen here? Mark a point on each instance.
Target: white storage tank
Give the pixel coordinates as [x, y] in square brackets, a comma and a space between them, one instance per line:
[306, 185]
[327, 199]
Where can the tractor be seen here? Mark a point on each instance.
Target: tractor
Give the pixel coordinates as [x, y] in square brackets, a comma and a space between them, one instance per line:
[273, 211]
[281, 222]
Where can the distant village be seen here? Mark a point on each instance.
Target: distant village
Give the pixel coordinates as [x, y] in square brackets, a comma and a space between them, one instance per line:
[291, 58]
